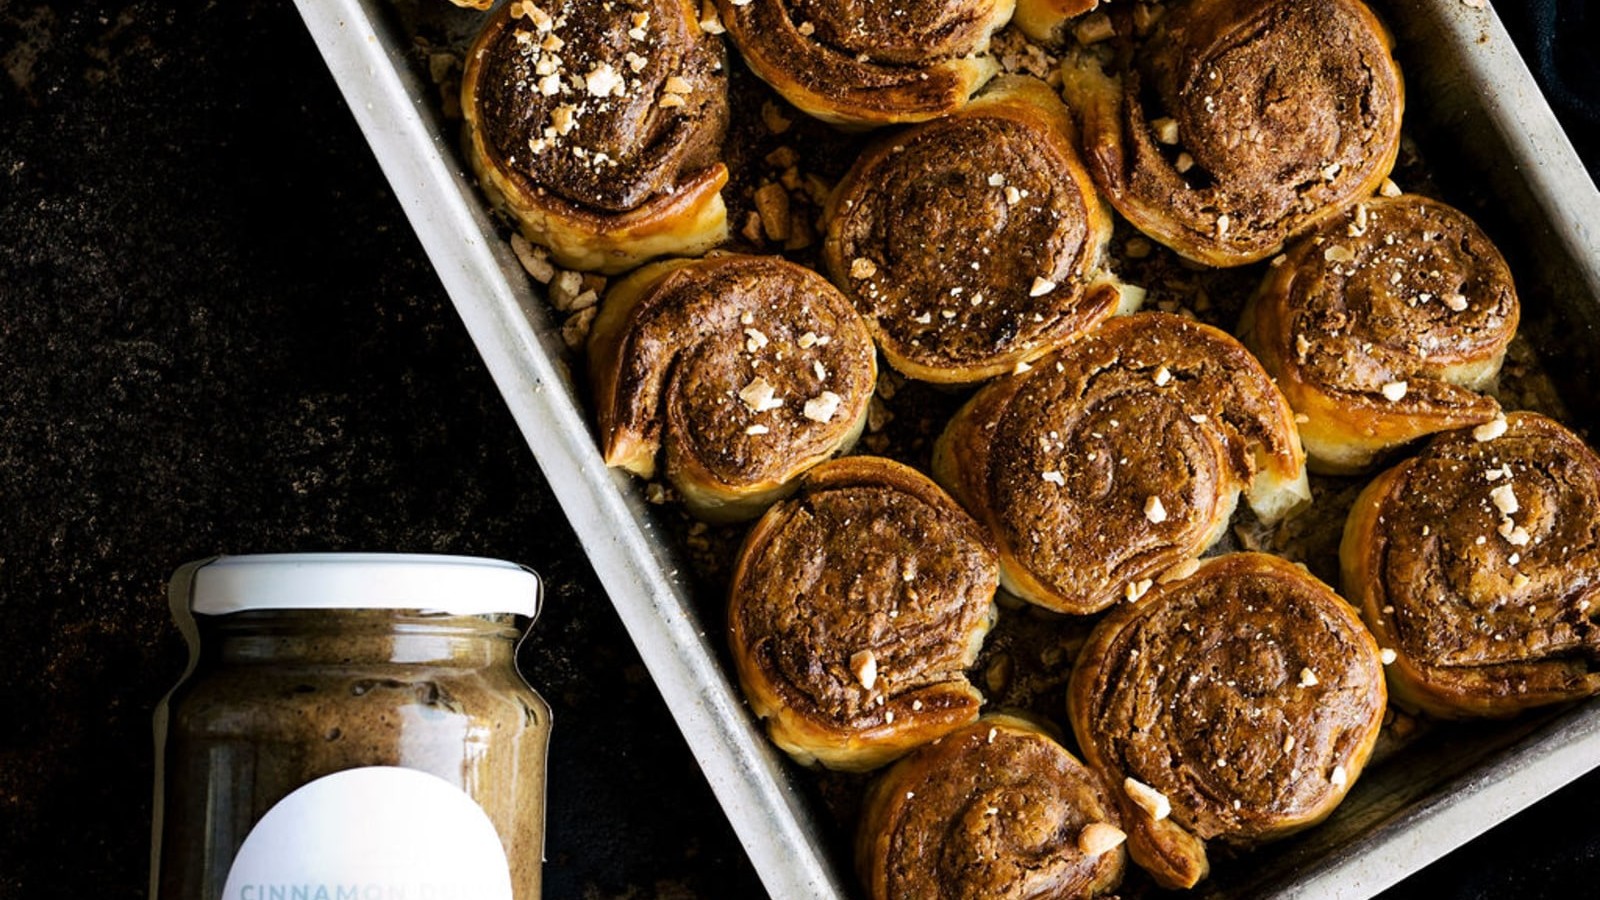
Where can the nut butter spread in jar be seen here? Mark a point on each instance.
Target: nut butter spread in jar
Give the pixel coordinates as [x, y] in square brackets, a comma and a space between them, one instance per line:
[351, 726]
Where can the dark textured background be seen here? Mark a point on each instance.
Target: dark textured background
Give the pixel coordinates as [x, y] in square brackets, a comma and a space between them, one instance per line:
[217, 334]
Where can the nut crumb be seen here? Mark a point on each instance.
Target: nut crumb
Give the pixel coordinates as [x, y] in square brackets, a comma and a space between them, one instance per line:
[861, 267]
[1387, 655]
[1308, 678]
[1394, 391]
[1154, 510]
[864, 664]
[1389, 188]
[1147, 798]
[1491, 429]
[534, 258]
[822, 407]
[1041, 286]
[1099, 838]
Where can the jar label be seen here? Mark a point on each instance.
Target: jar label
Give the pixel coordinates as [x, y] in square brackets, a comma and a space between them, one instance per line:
[376, 833]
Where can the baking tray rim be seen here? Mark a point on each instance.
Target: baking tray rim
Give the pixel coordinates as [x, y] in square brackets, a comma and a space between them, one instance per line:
[521, 350]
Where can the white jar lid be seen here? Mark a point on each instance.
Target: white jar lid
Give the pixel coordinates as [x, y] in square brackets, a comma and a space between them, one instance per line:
[458, 585]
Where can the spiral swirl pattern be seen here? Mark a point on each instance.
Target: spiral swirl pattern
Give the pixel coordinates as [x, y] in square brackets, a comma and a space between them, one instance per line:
[856, 607]
[1238, 704]
[1241, 124]
[1478, 562]
[974, 242]
[996, 809]
[858, 63]
[1382, 326]
[600, 128]
[1121, 457]
[742, 371]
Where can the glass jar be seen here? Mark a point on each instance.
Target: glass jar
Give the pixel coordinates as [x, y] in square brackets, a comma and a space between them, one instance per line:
[351, 726]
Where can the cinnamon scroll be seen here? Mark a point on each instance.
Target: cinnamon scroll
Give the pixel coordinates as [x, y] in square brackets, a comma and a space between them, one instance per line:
[1238, 125]
[1236, 705]
[1383, 326]
[868, 64]
[599, 128]
[740, 371]
[974, 242]
[1120, 458]
[996, 809]
[857, 606]
[1477, 562]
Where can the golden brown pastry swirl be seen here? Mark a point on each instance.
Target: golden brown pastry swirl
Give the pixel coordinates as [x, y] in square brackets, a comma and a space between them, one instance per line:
[1477, 562]
[599, 127]
[1121, 457]
[1241, 123]
[976, 241]
[858, 63]
[995, 811]
[1382, 326]
[743, 371]
[1238, 704]
[856, 607]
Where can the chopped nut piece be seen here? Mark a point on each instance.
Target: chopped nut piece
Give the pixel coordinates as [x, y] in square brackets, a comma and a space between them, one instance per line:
[535, 259]
[861, 267]
[575, 331]
[1338, 776]
[1515, 534]
[757, 429]
[1222, 225]
[1166, 129]
[772, 201]
[564, 289]
[1154, 510]
[1389, 188]
[1504, 498]
[1339, 253]
[1013, 196]
[1491, 429]
[1308, 678]
[668, 101]
[807, 340]
[603, 81]
[1054, 477]
[758, 395]
[783, 158]
[996, 179]
[1094, 28]
[564, 118]
[774, 119]
[1183, 163]
[1041, 286]
[710, 22]
[1136, 590]
[1147, 798]
[1393, 391]
[864, 664]
[757, 339]
[1388, 655]
[752, 230]
[1520, 581]
[822, 407]
[1098, 838]
[1163, 375]
[678, 85]
[1456, 302]
[1288, 743]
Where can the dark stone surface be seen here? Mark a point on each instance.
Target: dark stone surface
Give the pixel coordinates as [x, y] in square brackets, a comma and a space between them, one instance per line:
[217, 334]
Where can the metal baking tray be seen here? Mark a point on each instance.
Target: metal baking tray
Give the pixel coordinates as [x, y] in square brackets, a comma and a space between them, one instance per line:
[1506, 160]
